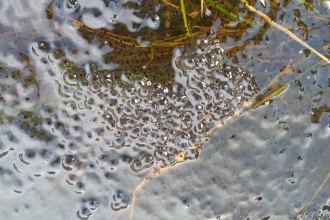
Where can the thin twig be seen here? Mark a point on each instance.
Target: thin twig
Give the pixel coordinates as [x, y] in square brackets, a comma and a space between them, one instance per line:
[151, 57]
[171, 5]
[139, 188]
[284, 30]
[317, 191]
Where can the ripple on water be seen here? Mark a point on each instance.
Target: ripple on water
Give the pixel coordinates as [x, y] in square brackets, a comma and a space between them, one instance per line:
[145, 122]
[76, 138]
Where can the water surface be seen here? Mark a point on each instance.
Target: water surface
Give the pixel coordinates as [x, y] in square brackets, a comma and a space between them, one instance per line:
[65, 152]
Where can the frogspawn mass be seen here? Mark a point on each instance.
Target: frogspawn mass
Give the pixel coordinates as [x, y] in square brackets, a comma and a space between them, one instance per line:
[167, 124]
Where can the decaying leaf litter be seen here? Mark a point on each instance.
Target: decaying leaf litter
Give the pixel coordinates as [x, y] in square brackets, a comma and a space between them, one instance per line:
[149, 60]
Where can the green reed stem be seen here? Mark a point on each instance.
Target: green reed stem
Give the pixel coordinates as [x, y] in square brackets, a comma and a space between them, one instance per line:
[185, 18]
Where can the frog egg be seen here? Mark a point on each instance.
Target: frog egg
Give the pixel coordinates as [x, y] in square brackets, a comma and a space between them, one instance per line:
[153, 21]
[119, 201]
[72, 4]
[84, 213]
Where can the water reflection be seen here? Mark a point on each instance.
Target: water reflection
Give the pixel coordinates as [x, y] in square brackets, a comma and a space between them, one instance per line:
[77, 136]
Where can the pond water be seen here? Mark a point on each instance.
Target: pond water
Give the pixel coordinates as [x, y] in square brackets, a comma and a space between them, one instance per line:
[115, 110]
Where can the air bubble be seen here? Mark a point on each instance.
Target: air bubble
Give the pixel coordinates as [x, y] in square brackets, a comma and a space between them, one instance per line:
[72, 4]
[208, 12]
[153, 21]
